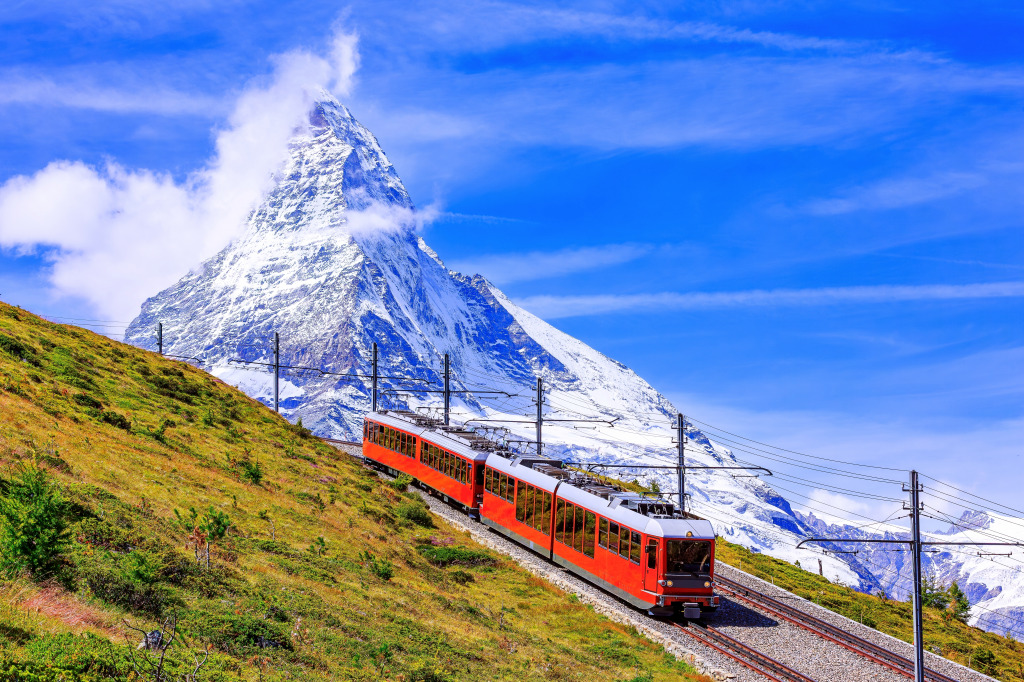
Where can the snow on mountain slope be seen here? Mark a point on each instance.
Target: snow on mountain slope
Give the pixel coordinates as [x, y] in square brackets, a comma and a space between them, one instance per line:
[332, 261]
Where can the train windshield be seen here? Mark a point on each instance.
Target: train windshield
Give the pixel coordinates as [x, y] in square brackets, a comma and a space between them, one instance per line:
[688, 556]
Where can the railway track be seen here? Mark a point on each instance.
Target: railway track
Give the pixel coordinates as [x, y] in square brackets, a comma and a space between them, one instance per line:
[858, 645]
[743, 654]
[335, 441]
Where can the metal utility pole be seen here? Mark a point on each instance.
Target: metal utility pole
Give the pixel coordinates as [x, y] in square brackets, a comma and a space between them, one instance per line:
[915, 550]
[374, 376]
[277, 369]
[447, 388]
[540, 414]
[160, 337]
[681, 438]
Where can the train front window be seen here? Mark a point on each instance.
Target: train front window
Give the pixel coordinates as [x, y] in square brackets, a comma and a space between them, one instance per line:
[688, 556]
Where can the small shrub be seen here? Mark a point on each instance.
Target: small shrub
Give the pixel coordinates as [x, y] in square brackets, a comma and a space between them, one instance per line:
[455, 556]
[33, 523]
[251, 471]
[462, 577]
[400, 484]
[379, 566]
[86, 400]
[116, 419]
[415, 512]
[299, 430]
[18, 349]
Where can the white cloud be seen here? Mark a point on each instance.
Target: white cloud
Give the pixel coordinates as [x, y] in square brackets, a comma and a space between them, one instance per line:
[534, 265]
[115, 235]
[551, 307]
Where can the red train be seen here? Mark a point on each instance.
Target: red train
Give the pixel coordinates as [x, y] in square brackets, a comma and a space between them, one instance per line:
[638, 548]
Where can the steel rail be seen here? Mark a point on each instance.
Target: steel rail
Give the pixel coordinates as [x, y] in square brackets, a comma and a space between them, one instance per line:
[335, 441]
[743, 654]
[826, 630]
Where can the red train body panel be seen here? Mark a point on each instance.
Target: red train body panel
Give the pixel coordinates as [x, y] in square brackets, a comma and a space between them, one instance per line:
[639, 549]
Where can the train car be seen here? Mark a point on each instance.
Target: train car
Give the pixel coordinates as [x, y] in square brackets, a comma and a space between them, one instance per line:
[638, 548]
[442, 462]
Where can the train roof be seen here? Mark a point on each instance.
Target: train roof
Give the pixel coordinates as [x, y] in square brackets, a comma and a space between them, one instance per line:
[452, 439]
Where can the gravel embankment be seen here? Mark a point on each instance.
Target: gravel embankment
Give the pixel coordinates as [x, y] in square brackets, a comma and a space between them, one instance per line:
[932, 661]
[789, 644]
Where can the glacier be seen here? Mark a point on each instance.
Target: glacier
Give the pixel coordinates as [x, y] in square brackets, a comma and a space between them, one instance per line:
[333, 262]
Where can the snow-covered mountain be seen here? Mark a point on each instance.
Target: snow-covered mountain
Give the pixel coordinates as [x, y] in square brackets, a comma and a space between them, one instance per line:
[332, 261]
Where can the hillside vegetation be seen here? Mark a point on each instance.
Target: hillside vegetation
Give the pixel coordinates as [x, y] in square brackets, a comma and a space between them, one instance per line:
[1000, 657]
[171, 495]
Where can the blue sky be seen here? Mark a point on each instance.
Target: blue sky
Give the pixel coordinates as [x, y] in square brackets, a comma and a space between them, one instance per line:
[800, 219]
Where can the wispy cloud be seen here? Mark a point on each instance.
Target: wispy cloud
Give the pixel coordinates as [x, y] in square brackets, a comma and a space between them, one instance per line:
[535, 265]
[489, 25]
[896, 193]
[78, 94]
[552, 307]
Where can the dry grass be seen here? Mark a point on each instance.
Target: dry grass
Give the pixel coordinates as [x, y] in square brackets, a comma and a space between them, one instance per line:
[188, 432]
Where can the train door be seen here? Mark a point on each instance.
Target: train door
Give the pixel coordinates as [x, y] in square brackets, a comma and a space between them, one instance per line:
[650, 563]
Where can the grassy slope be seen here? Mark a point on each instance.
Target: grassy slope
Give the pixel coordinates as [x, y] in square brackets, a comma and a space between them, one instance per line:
[189, 433]
[956, 641]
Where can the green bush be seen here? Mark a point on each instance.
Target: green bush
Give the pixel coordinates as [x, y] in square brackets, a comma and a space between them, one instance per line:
[65, 658]
[416, 512]
[116, 419]
[251, 471]
[18, 349]
[455, 556]
[131, 581]
[400, 484]
[86, 400]
[379, 566]
[33, 523]
[237, 632]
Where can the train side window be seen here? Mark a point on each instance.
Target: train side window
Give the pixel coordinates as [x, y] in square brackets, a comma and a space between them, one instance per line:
[528, 506]
[503, 487]
[624, 542]
[634, 547]
[479, 473]
[577, 529]
[560, 521]
[613, 537]
[589, 526]
[489, 480]
[602, 534]
[544, 524]
[652, 553]
[401, 443]
[521, 503]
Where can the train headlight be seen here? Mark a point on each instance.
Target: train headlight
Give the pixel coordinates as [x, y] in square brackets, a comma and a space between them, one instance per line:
[668, 583]
[707, 583]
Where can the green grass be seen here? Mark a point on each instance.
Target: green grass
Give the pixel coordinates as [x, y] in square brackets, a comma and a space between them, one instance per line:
[340, 570]
[955, 640]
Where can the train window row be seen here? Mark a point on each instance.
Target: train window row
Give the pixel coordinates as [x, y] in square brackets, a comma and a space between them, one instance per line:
[392, 439]
[533, 507]
[500, 484]
[575, 527]
[619, 540]
[448, 464]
